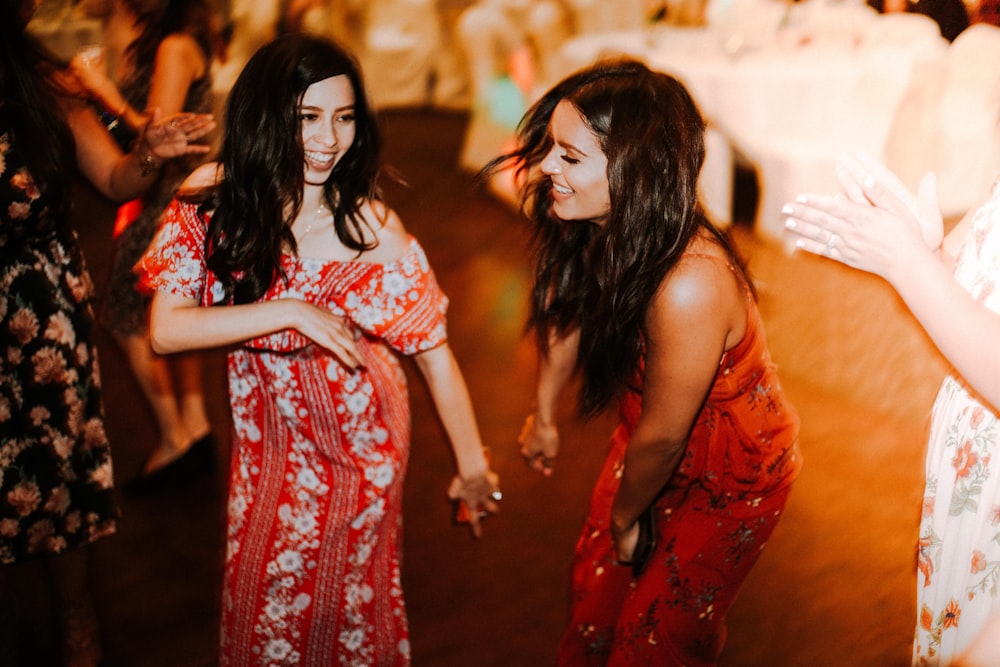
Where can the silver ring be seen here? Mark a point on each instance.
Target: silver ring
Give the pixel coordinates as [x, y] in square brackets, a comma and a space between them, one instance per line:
[831, 242]
[496, 495]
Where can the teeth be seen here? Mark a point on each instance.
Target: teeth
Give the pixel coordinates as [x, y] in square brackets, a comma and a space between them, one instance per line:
[321, 158]
[561, 189]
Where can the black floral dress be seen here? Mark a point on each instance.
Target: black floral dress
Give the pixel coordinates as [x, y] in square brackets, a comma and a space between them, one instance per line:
[55, 460]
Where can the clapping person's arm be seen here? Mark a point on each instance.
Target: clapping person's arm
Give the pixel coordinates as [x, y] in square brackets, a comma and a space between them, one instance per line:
[881, 234]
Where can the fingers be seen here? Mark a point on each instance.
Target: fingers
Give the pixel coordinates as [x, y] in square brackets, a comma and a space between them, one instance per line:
[851, 177]
[475, 499]
[817, 228]
[539, 462]
[538, 446]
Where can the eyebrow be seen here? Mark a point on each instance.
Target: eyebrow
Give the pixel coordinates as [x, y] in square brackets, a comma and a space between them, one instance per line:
[349, 107]
[571, 147]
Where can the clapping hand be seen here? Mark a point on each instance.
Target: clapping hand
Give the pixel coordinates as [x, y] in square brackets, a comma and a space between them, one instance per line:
[174, 136]
[872, 223]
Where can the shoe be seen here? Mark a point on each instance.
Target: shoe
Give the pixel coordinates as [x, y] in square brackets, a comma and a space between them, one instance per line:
[197, 462]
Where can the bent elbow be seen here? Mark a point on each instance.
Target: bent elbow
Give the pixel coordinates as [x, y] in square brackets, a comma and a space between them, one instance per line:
[161, 341]
[159, 345]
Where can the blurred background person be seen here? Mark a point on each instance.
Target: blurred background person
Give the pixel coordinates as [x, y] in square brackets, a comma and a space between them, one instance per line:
[167, 66]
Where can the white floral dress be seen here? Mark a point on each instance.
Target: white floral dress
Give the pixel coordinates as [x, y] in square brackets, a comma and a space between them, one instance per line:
[312, 571]
[959, 550]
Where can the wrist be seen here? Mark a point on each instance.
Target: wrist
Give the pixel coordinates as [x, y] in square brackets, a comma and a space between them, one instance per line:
[474, 465]
[148, 163]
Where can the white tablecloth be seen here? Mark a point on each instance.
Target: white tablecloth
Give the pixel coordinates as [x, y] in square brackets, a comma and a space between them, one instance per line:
[790, 101]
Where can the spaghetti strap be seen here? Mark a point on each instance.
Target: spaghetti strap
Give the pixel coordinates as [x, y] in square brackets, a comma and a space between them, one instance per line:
[744, 280]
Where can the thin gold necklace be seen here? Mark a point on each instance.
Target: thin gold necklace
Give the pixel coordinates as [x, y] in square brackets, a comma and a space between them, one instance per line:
[321, 211]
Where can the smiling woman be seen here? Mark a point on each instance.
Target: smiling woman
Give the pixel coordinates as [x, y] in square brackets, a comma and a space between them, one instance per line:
[294, 261]
[577, 168]
[636, 289]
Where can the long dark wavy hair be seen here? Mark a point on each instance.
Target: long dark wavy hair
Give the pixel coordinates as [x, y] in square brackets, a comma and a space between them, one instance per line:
[602, 277]
[193, 17]
[263, 164]
[30, 93]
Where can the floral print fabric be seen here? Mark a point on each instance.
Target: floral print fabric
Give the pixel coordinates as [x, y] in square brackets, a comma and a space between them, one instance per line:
[312, 567]
[959, 545]
[712, 520]
[55, 460]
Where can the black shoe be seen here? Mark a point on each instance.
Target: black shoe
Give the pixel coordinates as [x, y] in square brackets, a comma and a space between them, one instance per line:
[197, 462]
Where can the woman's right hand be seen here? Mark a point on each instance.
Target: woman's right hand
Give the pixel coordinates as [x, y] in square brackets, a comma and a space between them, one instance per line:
[329, 331]
[539, 444]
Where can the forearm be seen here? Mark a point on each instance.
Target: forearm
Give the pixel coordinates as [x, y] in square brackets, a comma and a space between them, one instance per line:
[648, 466]
[454, 406]
[134, 173]
[178, 325]
[964, 330]
[555, 368]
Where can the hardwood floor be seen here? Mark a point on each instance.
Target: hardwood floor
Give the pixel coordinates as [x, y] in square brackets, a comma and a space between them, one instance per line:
[834, 587]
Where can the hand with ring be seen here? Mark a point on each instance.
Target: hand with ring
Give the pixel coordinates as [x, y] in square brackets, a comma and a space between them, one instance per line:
[475, 498]
[872, 226]
[539, 444]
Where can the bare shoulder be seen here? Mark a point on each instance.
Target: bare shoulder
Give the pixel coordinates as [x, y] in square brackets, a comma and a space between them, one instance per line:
[700, 293]
[178, 45]
[697, 282]
[393, 239]
[203, 177]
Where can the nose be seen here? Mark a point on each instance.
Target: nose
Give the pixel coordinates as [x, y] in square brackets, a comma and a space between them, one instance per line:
[550, 163]
[326, 133]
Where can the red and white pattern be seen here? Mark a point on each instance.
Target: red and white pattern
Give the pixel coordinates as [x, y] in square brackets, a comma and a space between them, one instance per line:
[312, 567]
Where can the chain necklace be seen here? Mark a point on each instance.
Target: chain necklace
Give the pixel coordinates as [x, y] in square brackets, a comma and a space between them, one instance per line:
[322, 211]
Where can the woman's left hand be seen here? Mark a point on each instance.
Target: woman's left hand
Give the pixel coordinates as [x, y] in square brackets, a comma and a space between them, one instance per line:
[174, 136]
[480, 494]
[625, 542]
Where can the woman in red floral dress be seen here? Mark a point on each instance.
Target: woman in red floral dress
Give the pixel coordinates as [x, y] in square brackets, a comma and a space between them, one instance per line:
[640, 292]
[291, 257]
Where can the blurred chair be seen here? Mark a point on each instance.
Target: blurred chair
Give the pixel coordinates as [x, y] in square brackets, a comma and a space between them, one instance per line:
[968, 126]
[798, 162]
[903, 29]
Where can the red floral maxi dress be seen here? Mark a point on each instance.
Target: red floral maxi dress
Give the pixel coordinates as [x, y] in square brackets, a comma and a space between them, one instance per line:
[713, 520]
[312, 572]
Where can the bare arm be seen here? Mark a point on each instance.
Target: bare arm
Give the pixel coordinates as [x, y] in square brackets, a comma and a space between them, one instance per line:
[179, 62]
[475, 481]
[122, 176]
[698, 312]
[178, 324]
[539, 437]
[881, 238]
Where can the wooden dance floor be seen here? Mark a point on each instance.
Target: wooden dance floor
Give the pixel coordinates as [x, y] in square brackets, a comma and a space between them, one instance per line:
[834, 587]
